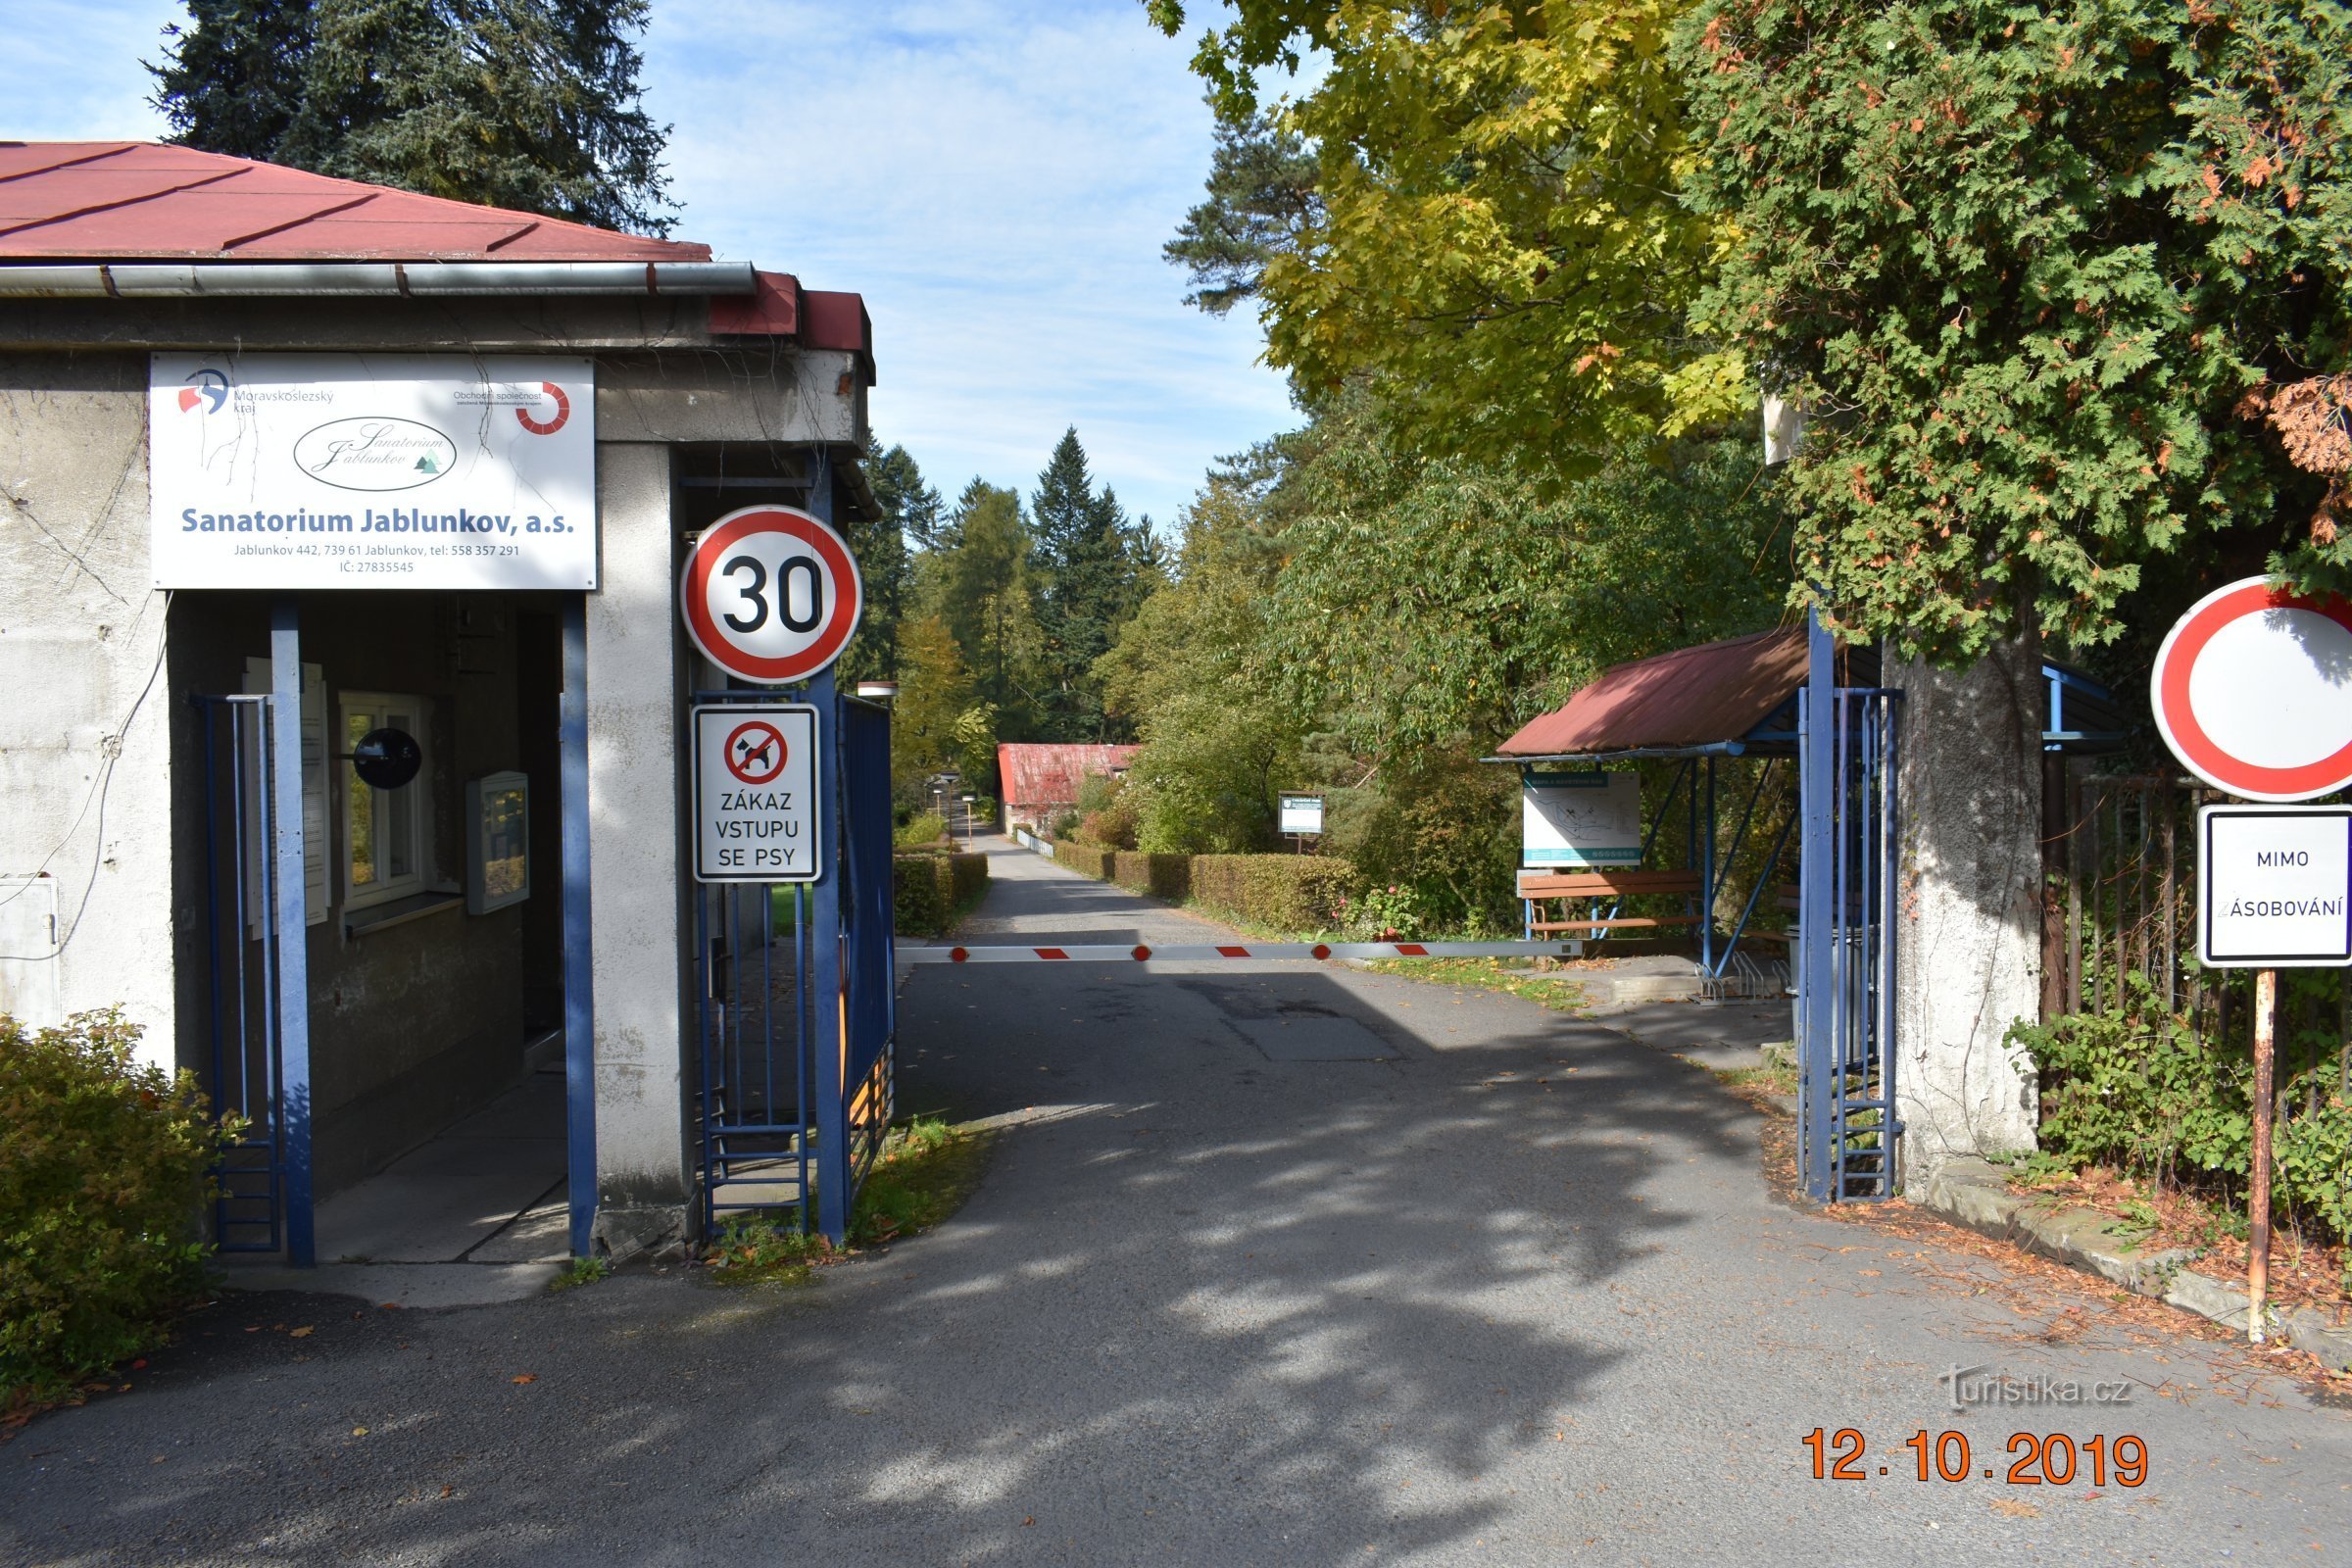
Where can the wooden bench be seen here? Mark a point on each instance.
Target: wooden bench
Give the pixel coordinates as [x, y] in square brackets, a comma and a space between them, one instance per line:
[1538, 887]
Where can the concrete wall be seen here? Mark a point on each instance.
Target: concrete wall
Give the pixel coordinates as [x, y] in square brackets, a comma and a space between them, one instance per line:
[1968, 908]
[635, 692]
[86, 763]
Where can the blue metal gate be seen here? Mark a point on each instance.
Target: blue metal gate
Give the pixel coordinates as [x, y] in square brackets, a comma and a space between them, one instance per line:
[263, 1204]
[796, 1005]
[1846, 1127]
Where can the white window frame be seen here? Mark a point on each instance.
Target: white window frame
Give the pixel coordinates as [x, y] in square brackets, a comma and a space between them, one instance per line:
[415, 797]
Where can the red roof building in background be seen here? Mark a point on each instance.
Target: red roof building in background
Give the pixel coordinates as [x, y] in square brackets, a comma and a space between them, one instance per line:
[1040, 780]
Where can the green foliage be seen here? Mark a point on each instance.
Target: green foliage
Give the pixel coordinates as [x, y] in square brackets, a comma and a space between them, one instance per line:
[2023, 263]
[580, 1271]
[921, 831]
[1087, 860]
[885, 569]
[931, 892]
[980, 583]
[1287, 892]
[528, 104]
[935, 692]
[1087, 579]
[2138, 1088]
[1262, 200]
[103, 1171]
[1158, 876]
[1500, 247]
[1555, 992]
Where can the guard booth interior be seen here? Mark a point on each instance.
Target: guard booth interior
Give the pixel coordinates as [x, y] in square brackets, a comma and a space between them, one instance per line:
[422, 981]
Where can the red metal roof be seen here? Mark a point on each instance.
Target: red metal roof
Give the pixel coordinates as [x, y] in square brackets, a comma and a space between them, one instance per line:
[1036, 775]
[127, 200]
[1690, 697]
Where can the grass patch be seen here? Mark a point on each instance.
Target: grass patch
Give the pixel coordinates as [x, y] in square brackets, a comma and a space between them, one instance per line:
[924, 1173]
[580, 1271]
[1773, 1078]
[1557, 991]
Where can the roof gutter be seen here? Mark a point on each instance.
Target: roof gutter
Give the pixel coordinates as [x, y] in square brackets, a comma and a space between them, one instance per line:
[369, 280]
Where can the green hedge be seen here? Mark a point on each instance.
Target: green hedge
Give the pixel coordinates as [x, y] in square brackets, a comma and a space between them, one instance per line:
[932, 891]
[103, 1166]
[1162, 876]
[1087, 860]
[1284, 892]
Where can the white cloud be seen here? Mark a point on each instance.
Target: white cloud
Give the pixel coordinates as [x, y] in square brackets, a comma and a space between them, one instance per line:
[996, 179]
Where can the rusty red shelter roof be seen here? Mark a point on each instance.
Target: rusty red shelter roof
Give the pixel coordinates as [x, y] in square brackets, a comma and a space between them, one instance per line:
[1703, 696]
[128, 200]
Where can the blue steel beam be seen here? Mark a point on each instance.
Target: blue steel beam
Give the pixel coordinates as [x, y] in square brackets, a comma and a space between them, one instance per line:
[580, 991]
[291, 920]
[1817, 720]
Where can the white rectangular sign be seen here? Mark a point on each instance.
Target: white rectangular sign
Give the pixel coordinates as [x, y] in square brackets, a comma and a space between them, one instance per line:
[755, 780]
[2274, 886]
[1579, 819]
[372, 471]
[1303, 814]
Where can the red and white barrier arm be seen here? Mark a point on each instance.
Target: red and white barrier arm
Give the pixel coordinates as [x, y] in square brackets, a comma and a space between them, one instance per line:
[1195, 953]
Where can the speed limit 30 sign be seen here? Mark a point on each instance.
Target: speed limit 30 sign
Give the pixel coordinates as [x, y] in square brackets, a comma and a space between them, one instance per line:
[770, 594]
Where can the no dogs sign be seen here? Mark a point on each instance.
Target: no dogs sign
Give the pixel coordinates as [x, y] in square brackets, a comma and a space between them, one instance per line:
[770, 594]
[754, 793]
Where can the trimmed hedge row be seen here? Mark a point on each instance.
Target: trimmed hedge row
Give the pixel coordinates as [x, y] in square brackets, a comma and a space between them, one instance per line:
[1285, 891]
[930, 890]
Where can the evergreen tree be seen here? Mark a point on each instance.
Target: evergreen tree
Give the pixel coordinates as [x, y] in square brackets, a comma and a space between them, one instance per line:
[1088, 580]
[1261, 199]
[529, 104]
[883, 563]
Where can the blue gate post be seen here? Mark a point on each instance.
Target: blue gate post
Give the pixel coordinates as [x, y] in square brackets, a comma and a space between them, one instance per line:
[830, 1040]
[291, 917]
[1819, 1074]
[579, 994]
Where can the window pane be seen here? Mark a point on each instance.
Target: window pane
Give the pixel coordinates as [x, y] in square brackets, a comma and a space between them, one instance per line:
[363, 808]
[396, 810]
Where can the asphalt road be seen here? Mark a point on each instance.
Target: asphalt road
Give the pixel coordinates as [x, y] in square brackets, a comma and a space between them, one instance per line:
[1292, 1266]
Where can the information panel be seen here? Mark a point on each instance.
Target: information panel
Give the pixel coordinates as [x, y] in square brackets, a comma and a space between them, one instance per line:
[2274, 886]
[372, 471]
[1579, 819]
[1302, 814]
[754, 793]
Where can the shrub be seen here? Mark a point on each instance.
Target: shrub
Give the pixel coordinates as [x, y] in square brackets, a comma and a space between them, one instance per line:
[2136, 1088]
[931, 891]
[1285, 891]
[1161, 876]
[103, 1172]
[1087, 860]
[927, 827]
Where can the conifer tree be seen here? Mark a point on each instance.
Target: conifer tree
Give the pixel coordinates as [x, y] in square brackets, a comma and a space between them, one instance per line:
[528, 104]
[1087, 577]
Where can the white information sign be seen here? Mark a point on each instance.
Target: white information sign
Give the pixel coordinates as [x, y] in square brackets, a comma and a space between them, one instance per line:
[372, 471]
[1303, 814]
[754, 793]
[1578, 819]
[2275, 887]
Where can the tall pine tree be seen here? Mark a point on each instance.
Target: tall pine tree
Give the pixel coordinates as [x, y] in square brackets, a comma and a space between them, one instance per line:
[529, 104]
[1087, 580]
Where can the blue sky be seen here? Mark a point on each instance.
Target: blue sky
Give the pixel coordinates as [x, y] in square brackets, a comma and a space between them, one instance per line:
[996, 179]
